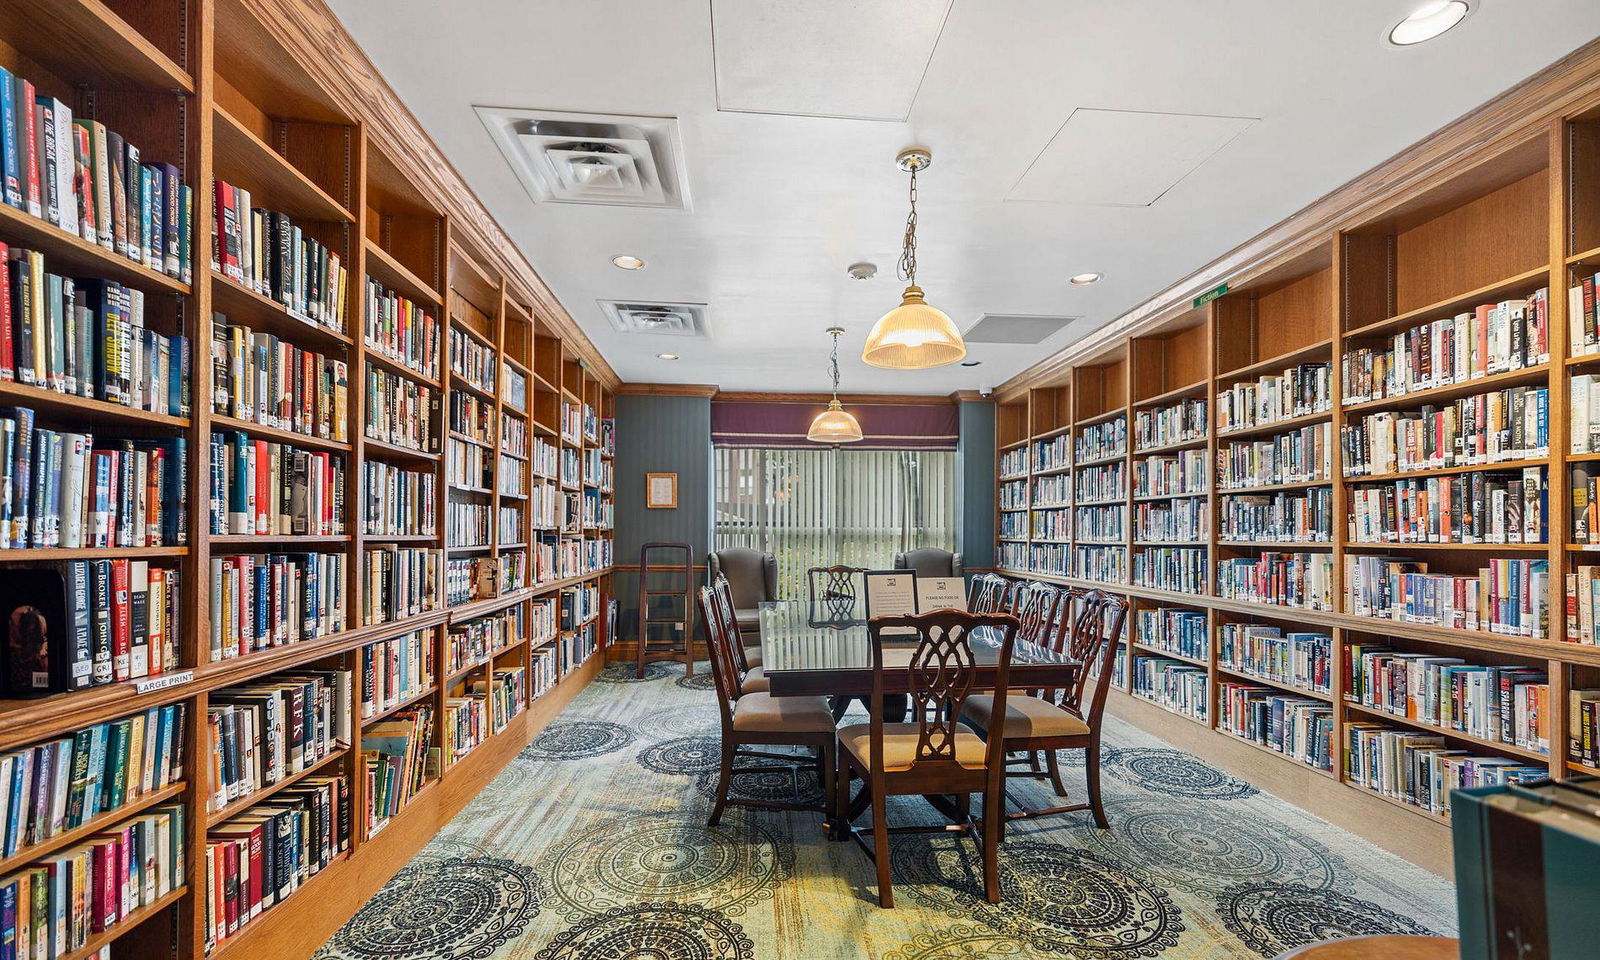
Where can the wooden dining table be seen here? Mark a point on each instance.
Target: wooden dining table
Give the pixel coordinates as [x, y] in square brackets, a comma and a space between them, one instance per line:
[822, 648]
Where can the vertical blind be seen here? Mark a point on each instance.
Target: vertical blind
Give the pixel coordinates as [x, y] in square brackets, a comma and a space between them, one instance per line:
[825, 506]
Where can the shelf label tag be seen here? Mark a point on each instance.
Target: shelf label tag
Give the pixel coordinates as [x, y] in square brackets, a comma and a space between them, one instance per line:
[163, 682]
[1209, 296]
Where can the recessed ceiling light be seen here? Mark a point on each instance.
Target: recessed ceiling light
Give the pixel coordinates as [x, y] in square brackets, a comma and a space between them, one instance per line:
[1429, 21]
[970, 363]
[627, 262]
[666, 356]
[861, 271]
[1084, 279]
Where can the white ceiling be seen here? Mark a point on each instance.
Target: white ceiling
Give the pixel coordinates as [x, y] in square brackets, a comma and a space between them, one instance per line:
[783, 203]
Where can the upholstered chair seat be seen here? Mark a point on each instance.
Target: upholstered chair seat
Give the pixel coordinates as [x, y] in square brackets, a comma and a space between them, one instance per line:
[1025, 717]
[900, 745]
[764, 713]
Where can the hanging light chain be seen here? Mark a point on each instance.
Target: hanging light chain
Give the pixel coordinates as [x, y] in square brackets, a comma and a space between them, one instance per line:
[907, 268]
[835, 361]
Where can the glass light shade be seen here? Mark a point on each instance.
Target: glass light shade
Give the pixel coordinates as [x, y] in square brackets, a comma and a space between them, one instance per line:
[914, 336]
[834, 425]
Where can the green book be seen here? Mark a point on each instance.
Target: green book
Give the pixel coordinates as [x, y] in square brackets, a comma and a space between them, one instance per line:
[80, 778]
[116, 774]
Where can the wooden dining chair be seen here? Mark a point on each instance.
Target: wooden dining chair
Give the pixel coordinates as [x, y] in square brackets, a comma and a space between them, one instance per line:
[990, 593]
[752, 720]
[933, 754]
[837, 584]
[748, 670]
[1068, 719]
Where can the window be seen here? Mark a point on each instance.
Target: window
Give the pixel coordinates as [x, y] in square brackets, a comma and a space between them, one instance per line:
[816, 508]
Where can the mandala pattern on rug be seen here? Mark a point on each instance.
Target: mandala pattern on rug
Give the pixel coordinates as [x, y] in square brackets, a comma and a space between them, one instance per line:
[698, 721]
[1057, 898]
[670, 856]
[647, 931]
[1174, 772]
[776, 786]
[685, 756]
[578, 740]
[1200, 847]
[1275, 917]
[964, 941]
[629, 673]
[702, 679]
[452, 908]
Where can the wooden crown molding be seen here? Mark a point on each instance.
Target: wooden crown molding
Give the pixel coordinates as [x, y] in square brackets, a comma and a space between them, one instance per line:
[1567, 86]
[325, 50]
[667, 390]
[971, 396]
[859, 399]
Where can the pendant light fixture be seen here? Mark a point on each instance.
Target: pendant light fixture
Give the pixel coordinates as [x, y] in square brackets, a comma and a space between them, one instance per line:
[836, 424]
[915, 335]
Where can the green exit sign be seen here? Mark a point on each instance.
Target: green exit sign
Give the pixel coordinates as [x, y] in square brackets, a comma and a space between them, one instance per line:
[1210, 295]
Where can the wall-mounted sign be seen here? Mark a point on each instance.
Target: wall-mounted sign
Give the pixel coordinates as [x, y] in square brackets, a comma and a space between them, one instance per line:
[661, 491]
[1209, 296]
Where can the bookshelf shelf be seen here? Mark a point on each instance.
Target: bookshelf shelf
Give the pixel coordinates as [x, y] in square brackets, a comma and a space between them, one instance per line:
[88, 41]
[273, 181]
[290, 437]
[1170, 654]
[68, 838]
[1515, 285]
[1195, 444]
[83, 409]
[238, 806]
[1455, 391]
[98, 941]
[384, 448]
[1329, 774]
[244, 306]
[378, 358]
[1445, 471]
[292, 539]
[1509, 749]
[1247, 677]
[92, 553]
[75, 255]
[416, 698]
[1276, 426]
[383, 267]
[1273, 487]
[1278, 362]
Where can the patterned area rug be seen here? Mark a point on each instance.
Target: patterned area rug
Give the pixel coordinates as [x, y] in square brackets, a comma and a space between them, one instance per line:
[593, 845]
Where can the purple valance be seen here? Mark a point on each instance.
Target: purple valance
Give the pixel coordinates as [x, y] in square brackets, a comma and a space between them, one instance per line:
[886, 426]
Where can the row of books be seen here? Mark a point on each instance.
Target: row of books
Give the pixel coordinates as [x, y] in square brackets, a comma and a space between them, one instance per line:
[265, 379]
[1583, 726]
[511, 477]
[1302, 516]
[1490, 339]
[467, 524]
[1014, 494]
[1015, 556]
[1054, 490]
[265, 732]
[398, 759]
[571, 469]
[1508, 596]
[54, 906]
[1013, 463]
[266, 252]
[1043, 524]
[513, 387]
[76, 174]
[1183, 632]
[1186, 518]
[472, 417]
[472, 361]
[256, 860]
[1502, 704]
[1103, 564]
[507, 695]
[1420, 770]
[467, 466]
[87, 338]
[401, 329]
[1106, 524]
[1102, 440]
[1303, 580]
[467, 579]
[399, 502]
[1301, 659]
[509, 527]
[1184, 472]
[1107, 481]
[395, 670]
[1297, 727]
[399, 582]
[1583, 325]
[260, 601]
[1177, 686]
[1184, 420]
[84, 623]
[1477, 507]
[466, 724]
[571, 422]
[1298, 456]
[1501, 425]
[1297, 392]
[474, 641]
[514, 569]
[513, 435]
[1583, 604]
[57, 786]
[1182, 569]
[61, 489]
[401, 411]
[265, 488]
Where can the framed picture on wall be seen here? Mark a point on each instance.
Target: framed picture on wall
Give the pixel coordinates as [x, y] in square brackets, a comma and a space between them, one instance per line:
[661, 491]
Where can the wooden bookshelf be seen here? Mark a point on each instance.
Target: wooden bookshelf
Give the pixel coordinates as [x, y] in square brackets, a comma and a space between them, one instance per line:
[252, 93]
[1487, 226]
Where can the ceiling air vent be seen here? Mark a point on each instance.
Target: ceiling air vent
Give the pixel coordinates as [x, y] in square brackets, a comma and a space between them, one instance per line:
[1014, 328]
[661, 319]
[592, 158]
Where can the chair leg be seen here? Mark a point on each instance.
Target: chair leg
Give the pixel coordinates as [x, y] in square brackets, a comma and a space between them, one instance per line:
[1033, 762]
[724, 781]
[993, 823]
[829, 770]
[880, 849]
[841, 800]
[1054, 766]
[1091, 768]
